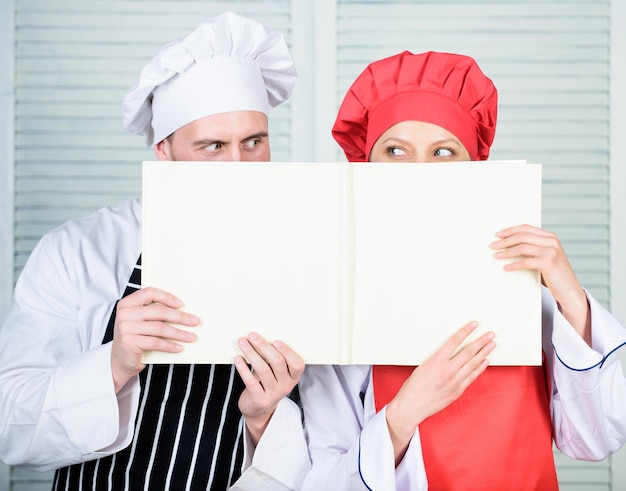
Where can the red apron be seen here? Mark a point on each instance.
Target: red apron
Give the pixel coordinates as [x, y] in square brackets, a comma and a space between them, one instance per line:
[496, 436]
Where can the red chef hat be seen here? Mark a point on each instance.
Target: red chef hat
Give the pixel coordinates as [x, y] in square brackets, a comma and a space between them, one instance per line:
[445, 89]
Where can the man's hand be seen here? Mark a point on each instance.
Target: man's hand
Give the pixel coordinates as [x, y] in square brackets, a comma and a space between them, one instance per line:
[274, 371]
[142, 324]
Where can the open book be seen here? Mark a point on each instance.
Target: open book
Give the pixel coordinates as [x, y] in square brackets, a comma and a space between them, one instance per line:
[348, 263]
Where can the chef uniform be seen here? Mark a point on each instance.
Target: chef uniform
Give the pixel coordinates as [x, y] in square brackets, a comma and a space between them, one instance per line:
[498, 434]
[173, 426]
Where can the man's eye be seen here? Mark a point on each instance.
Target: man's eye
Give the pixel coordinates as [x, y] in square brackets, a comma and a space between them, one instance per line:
[444, 152]
[213, 147]
[251, 143]
[396, 151]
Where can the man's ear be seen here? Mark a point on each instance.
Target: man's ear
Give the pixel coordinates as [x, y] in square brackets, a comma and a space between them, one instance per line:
[162, 150]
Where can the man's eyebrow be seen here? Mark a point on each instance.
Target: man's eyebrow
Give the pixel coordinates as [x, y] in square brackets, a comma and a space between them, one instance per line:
[261, 134]
[206, 142]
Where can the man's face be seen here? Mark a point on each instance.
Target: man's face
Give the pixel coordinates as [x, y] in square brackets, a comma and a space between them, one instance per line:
[233, 136]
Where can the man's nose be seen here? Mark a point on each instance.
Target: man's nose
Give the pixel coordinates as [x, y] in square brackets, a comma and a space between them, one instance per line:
[234, 154]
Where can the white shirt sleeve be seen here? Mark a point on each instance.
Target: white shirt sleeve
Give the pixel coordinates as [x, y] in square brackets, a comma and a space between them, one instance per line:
[349, 442]
[588, 384]
[281, 459]
[57, 400]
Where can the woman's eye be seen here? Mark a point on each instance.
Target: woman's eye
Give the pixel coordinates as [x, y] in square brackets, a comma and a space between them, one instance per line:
[444, 152]
[396, 152]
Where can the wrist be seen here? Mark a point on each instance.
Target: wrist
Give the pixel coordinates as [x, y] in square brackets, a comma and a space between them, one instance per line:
[257, 425]
[401, 424]
[575, 305]
[577, 312]
[401, 429]
[120, 377]
[119, 382]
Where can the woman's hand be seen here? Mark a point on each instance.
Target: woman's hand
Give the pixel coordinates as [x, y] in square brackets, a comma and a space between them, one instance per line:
[534, 248]
[435, 384]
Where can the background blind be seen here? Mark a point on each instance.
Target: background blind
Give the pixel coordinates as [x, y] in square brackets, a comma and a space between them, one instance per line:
[550, 59]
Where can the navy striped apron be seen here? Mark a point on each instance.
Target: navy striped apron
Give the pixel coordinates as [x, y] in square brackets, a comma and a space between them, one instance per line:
[188, 431]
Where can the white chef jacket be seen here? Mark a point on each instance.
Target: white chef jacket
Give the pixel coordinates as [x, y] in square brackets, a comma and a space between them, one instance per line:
[57, 400]
[351, 448]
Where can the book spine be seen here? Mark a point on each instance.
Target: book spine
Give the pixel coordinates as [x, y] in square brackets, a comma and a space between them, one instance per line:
[346, 264]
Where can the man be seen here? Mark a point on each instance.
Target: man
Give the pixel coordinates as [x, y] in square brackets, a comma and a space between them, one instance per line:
[74, 394]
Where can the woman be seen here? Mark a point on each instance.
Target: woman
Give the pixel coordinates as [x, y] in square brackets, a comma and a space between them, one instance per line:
[453, 423]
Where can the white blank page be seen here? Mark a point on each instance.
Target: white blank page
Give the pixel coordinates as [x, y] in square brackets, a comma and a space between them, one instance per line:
[246, 246]
[423, 266]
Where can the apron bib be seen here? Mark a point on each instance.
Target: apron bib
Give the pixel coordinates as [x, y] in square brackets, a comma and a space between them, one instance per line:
[496, 436]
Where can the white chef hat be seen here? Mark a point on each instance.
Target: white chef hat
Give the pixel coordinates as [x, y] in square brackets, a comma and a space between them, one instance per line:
[227, 63]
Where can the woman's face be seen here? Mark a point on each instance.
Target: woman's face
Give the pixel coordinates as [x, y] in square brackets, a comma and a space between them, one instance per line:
[416, 141]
